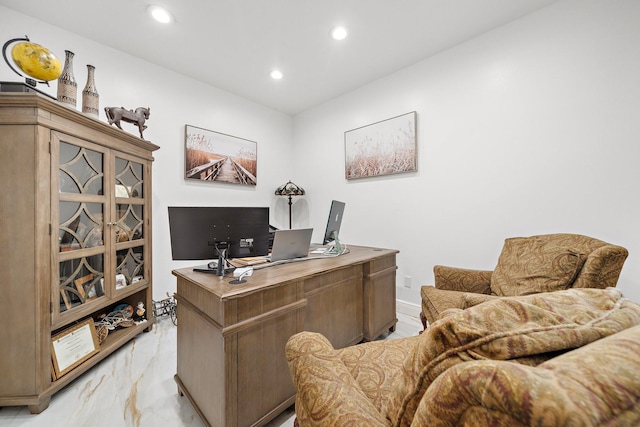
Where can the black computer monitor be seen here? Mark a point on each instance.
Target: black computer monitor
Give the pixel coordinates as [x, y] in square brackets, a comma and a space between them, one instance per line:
[197, 230]
[334, 221]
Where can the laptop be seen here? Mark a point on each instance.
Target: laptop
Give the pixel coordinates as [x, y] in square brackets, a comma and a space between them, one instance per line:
[290, 244]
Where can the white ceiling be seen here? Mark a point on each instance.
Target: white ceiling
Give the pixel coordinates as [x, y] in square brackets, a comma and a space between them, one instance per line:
[234, 44]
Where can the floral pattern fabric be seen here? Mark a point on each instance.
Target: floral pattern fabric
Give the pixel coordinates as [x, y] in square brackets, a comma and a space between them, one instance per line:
[472, 367]
[595, 385]
[526, 266]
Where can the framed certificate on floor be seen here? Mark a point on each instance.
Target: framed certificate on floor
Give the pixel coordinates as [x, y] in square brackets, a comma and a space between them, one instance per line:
[73, 346]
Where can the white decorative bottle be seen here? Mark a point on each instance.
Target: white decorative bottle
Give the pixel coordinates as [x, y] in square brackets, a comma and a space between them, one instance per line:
[90, 97]
[67, 86]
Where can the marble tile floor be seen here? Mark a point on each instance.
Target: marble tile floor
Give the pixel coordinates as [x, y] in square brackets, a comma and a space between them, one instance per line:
[134, 387]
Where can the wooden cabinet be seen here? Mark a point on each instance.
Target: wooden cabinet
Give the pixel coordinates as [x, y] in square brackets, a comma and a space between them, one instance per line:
[75, 204]
[231, 338]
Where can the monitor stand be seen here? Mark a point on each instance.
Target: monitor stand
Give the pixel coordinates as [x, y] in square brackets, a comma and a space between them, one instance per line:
[211, 268]
[222, 261]
[337, 248]
[217, 267]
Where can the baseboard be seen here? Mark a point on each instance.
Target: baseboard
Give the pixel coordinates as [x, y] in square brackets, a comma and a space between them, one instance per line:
[408, 308]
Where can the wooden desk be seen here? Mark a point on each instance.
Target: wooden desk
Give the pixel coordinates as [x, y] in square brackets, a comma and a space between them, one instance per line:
[231, 338]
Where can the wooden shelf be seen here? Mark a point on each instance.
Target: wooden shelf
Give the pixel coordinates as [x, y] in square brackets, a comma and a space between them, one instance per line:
[114, 341]
[98, 305]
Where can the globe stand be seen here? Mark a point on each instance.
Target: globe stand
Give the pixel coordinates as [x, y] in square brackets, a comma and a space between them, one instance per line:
[22, 87]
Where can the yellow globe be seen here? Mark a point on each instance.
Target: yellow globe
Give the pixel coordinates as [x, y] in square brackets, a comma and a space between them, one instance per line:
[36, 61]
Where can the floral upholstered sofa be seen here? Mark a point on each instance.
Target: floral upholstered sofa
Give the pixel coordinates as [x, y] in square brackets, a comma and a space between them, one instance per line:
[526, 265]
[566, 358]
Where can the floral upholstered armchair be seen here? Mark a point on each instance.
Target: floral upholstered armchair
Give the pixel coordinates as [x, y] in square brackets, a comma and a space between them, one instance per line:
[566, 358]
[527, 265]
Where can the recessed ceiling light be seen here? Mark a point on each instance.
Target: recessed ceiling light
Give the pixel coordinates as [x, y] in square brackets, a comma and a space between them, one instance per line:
[276, 74]
[339, 33]
[160, 14]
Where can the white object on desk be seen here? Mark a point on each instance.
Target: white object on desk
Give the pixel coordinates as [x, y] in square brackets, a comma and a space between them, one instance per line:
[243, 271]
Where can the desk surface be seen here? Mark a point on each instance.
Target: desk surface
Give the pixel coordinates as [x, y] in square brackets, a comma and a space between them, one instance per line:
[274, 275]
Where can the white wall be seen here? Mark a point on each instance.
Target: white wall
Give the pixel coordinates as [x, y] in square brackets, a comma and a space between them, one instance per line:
[175, 100]
[529, 129]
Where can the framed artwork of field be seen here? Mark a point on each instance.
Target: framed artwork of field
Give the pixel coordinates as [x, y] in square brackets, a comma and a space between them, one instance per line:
[217, 157]
[382, 148]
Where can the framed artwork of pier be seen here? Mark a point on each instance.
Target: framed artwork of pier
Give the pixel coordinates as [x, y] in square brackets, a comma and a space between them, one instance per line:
[217, 157]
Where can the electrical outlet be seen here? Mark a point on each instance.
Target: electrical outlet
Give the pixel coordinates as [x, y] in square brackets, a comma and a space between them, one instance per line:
[407, 281]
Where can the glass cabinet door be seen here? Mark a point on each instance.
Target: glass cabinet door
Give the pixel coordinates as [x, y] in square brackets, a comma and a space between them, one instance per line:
[129, 222]
[80, 223]
[100, 223]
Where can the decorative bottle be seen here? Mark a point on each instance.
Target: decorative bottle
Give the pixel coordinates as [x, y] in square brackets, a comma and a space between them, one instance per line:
[67, 86]
[90, 97]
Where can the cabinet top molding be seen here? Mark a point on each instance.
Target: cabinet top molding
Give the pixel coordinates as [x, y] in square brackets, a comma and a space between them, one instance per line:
[60, 111]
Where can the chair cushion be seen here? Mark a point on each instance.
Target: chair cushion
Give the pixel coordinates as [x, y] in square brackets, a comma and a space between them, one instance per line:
[528, 330]
[594, 385]
[529, 265]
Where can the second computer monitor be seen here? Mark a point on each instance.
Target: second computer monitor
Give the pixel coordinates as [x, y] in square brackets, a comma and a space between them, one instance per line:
[334, 221]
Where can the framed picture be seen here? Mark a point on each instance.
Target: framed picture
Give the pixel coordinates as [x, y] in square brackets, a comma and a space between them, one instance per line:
[85, 287]
[382, 148]
[73, 346]
[216, 157]
[121, 281]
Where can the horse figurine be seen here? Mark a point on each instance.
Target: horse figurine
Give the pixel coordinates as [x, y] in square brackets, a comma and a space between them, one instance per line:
[138, 117]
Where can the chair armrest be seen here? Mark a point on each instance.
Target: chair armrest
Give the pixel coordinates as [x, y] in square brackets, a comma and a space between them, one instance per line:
[462, 280]
[323, 384]
[602, 267]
